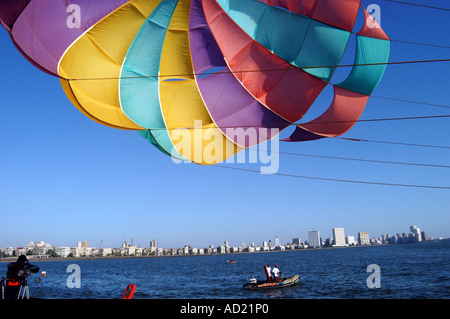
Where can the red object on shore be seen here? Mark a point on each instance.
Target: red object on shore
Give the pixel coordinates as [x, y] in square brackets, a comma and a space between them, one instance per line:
[129, 292]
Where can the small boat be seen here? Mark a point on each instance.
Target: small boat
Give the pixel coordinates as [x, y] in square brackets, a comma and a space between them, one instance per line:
[253, 284]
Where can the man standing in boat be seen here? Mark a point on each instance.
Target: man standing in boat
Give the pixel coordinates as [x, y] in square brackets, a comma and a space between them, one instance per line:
[275, 273]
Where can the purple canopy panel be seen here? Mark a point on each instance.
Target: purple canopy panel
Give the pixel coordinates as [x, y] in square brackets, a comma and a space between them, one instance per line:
[10, 10]
[44, 29]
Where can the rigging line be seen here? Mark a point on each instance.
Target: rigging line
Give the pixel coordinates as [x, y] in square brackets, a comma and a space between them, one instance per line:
[417, 5]
[386, 119]
[393, 143]
[335, 179]
[275, 125]
[377, 120]
[412, 42]
[409, 101]
[424, 44]
[258, 70]
[354, 159]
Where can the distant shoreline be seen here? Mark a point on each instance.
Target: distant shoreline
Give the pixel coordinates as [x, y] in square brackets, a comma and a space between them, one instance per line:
[30, 257]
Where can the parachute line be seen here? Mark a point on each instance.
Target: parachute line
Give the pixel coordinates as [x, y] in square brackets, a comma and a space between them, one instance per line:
[417, 5]
[338, 180]
[265, 70]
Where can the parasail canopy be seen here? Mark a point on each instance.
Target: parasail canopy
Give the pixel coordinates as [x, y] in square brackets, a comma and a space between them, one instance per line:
[204, 79]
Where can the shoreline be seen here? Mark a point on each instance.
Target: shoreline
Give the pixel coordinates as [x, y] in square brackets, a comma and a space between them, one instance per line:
[30, 257]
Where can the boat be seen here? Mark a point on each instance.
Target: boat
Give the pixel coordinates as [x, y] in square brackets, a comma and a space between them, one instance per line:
[253, 284]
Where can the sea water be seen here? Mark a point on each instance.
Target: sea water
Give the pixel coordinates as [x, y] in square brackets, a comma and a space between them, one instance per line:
[401, 271]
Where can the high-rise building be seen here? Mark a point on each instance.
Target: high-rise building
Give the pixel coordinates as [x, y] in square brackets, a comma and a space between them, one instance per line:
[83, 244]
[415, 231]
[327, 242]
[314, 239]
[339, 236]
[296, 242]
[363, 238]
[154, 244]
[350, 240]
[277, 242]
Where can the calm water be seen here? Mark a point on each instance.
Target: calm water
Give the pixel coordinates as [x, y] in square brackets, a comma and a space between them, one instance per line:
[407, 271]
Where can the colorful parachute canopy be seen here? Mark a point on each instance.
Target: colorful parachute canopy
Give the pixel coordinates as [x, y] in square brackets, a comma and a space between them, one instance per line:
[194, 77]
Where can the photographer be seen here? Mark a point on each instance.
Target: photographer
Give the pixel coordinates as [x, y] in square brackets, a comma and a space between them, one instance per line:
[17, 275]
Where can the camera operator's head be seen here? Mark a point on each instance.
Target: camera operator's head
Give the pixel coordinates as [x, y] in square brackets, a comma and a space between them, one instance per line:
[22, 259]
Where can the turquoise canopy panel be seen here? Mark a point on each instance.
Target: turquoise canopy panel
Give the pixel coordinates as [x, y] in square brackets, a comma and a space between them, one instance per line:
[247, 14]
[139, 97]
[139, 84]
[323, 46]
[282, 32]
[370, 63]
[148, 135]
[300, 40]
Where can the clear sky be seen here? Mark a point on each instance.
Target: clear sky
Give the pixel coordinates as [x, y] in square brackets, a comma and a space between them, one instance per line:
[65, 178]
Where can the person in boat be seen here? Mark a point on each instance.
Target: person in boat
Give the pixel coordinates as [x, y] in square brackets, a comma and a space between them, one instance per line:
[269, 273]
[275, 273]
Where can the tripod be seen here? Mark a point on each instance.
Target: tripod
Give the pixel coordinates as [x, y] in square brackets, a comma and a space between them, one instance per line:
[24, 291]
[14, 292]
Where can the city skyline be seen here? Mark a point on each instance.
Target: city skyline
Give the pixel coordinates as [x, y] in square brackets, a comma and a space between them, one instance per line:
[66, 178]
[313, 239]
[235, 238]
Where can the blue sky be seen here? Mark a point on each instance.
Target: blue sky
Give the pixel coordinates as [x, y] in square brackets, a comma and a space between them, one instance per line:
[65, 178]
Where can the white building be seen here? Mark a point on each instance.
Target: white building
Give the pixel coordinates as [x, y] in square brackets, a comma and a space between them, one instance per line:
[234, 249]
[276, 242]
[62, 251]
[9, 251]
[83, 244]
[40, 250]
[81, 251]
[350, 240]
[105, 251]
[415, 231]
[296, 242]
[314, 238]
[363, 238]
[339, 236]
[154, 244]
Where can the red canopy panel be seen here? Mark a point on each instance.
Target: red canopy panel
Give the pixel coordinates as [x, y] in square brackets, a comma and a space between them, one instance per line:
[341, 116]
[340, 14]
